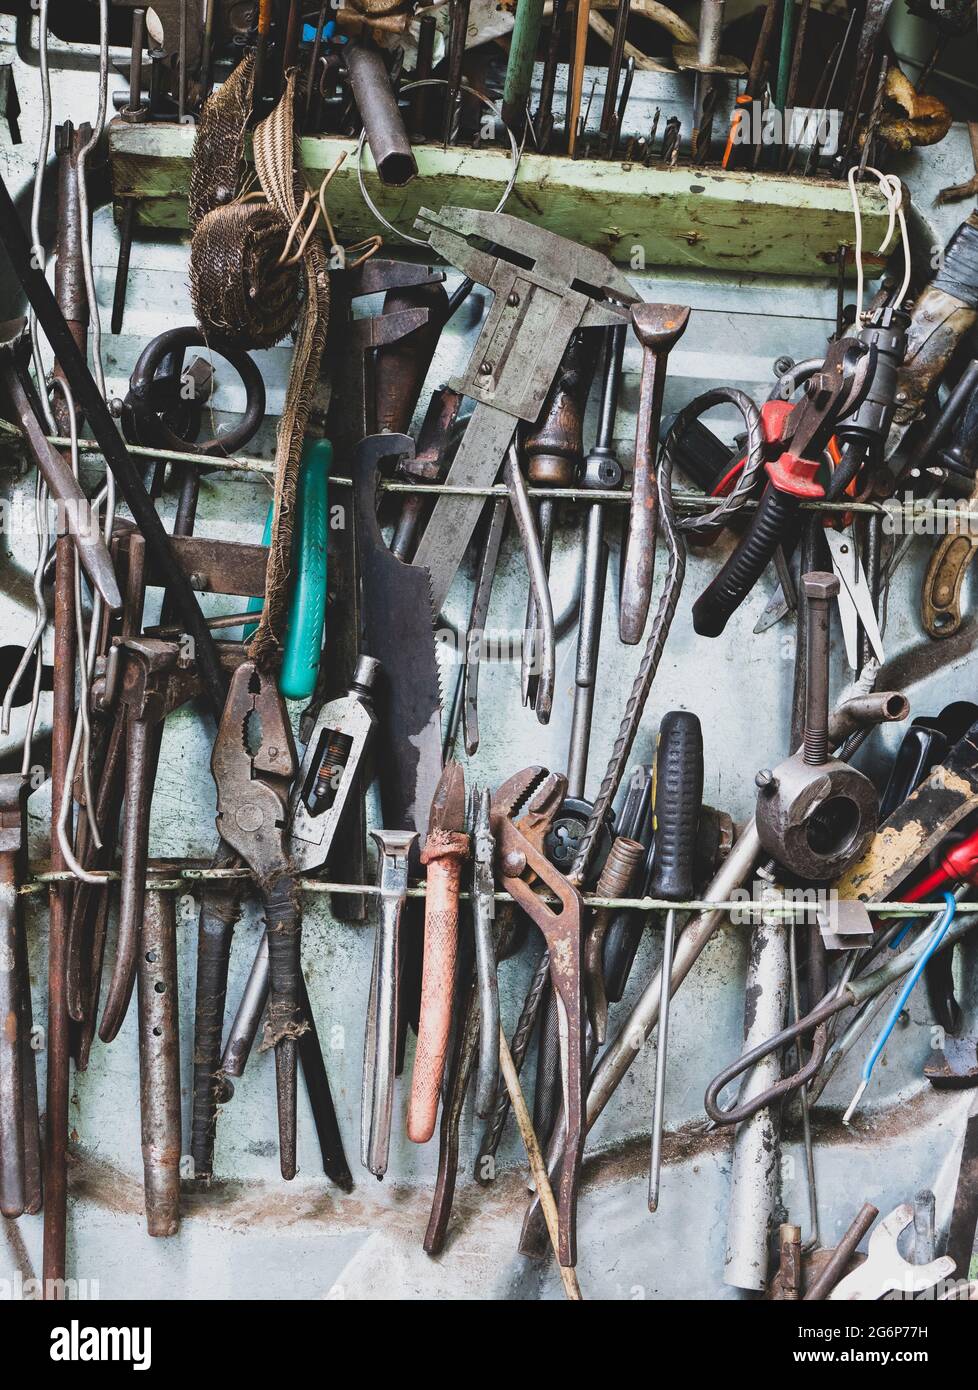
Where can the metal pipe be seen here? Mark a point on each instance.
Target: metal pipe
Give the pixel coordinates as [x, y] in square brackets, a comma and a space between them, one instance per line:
[519, 69]
[159, 1064]
[386, 134]
[755, 1180]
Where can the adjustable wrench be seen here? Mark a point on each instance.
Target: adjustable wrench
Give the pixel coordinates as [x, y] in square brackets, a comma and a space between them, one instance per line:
[522, 863]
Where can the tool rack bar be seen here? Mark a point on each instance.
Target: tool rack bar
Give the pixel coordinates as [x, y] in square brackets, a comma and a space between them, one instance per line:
[684, 501]
[170, 878]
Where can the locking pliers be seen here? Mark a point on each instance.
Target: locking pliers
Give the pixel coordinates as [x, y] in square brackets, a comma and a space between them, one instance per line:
[254, 763]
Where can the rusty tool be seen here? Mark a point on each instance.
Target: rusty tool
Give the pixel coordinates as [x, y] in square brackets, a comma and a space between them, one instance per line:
[523, 863]
[617, 878]
[867, 49]
[220, 907]
[381, 116]
[601, 471]
[553, 450]
[483, 913]
[457, 35]
[840, 1258]
[254, 763]
[69, 268]
[543, 121]
[707, 62]
[658, 328]
[609, 126]
[380, 1043]
[159, 1063]
[89, 400]
[426, 466]
[446, 848]
[401, 364]
[885, 1270]
[55, 1175]
[19, 1170]
[240, 1040]
[152, 685]
[79, 518]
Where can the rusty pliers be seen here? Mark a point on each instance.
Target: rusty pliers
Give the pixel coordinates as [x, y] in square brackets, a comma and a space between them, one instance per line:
[522, 865]
[254, 763]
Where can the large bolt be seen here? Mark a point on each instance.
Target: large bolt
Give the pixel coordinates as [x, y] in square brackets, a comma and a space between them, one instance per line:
[819, 588]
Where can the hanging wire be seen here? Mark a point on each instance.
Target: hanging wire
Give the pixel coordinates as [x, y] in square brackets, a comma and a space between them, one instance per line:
[892, 190]
[82, 733]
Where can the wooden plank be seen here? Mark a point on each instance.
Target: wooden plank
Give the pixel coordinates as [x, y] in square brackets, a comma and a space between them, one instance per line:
[641, 217]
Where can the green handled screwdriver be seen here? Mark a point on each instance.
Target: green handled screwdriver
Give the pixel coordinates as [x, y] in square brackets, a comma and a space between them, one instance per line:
[307, 596]
[678, 800]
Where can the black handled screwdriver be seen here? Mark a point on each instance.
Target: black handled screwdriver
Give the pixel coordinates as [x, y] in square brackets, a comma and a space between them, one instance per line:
[678, 799]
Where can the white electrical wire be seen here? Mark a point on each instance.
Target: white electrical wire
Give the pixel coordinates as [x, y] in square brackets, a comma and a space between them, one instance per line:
[892, 190]
[37, 247]
[82, 733]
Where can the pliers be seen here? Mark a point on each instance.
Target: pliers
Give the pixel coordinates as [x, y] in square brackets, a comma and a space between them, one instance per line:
[522, 864]
[800, 434]
[254, 763]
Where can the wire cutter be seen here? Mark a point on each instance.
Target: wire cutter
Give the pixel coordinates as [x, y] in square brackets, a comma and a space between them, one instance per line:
[254, 763]
[522, 865]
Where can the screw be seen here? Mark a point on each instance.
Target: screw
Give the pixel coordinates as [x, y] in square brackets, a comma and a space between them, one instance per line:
[486, 369]
[513, 299]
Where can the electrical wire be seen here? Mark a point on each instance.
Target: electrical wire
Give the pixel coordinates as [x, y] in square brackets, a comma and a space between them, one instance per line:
[892, 190]
[938, 934]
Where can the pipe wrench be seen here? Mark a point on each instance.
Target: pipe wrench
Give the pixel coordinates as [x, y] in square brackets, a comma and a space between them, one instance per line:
[539, 794]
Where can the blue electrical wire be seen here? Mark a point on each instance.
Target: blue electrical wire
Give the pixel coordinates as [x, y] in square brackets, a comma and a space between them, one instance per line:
[937, 936]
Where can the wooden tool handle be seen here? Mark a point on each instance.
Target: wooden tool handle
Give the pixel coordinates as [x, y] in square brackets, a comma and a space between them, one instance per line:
[444, 853]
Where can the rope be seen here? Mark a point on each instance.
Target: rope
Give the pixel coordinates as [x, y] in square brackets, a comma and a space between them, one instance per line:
[250, 282]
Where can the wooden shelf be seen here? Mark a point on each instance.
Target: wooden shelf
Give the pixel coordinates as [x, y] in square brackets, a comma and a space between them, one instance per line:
[681, 218]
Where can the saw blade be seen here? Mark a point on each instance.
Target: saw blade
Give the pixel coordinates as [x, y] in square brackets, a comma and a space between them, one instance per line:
[399, 632]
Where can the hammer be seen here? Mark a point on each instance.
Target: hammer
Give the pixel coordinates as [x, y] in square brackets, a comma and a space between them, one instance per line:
[74, 510]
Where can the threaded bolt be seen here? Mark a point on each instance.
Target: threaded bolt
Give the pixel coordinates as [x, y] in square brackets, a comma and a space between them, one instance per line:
[819, 589]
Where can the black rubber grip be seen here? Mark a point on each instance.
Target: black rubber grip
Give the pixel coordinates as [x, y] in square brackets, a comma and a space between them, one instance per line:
[773, 524]
[958, 275]
[678, 799]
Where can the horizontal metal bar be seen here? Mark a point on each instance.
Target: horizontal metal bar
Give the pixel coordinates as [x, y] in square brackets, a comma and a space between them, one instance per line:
[171, 878]
[684, 501]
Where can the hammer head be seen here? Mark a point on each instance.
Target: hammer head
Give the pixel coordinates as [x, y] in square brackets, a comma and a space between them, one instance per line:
[15, 342]
[659, 326]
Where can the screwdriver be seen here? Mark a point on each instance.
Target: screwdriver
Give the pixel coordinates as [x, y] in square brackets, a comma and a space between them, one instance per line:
[678, 799]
